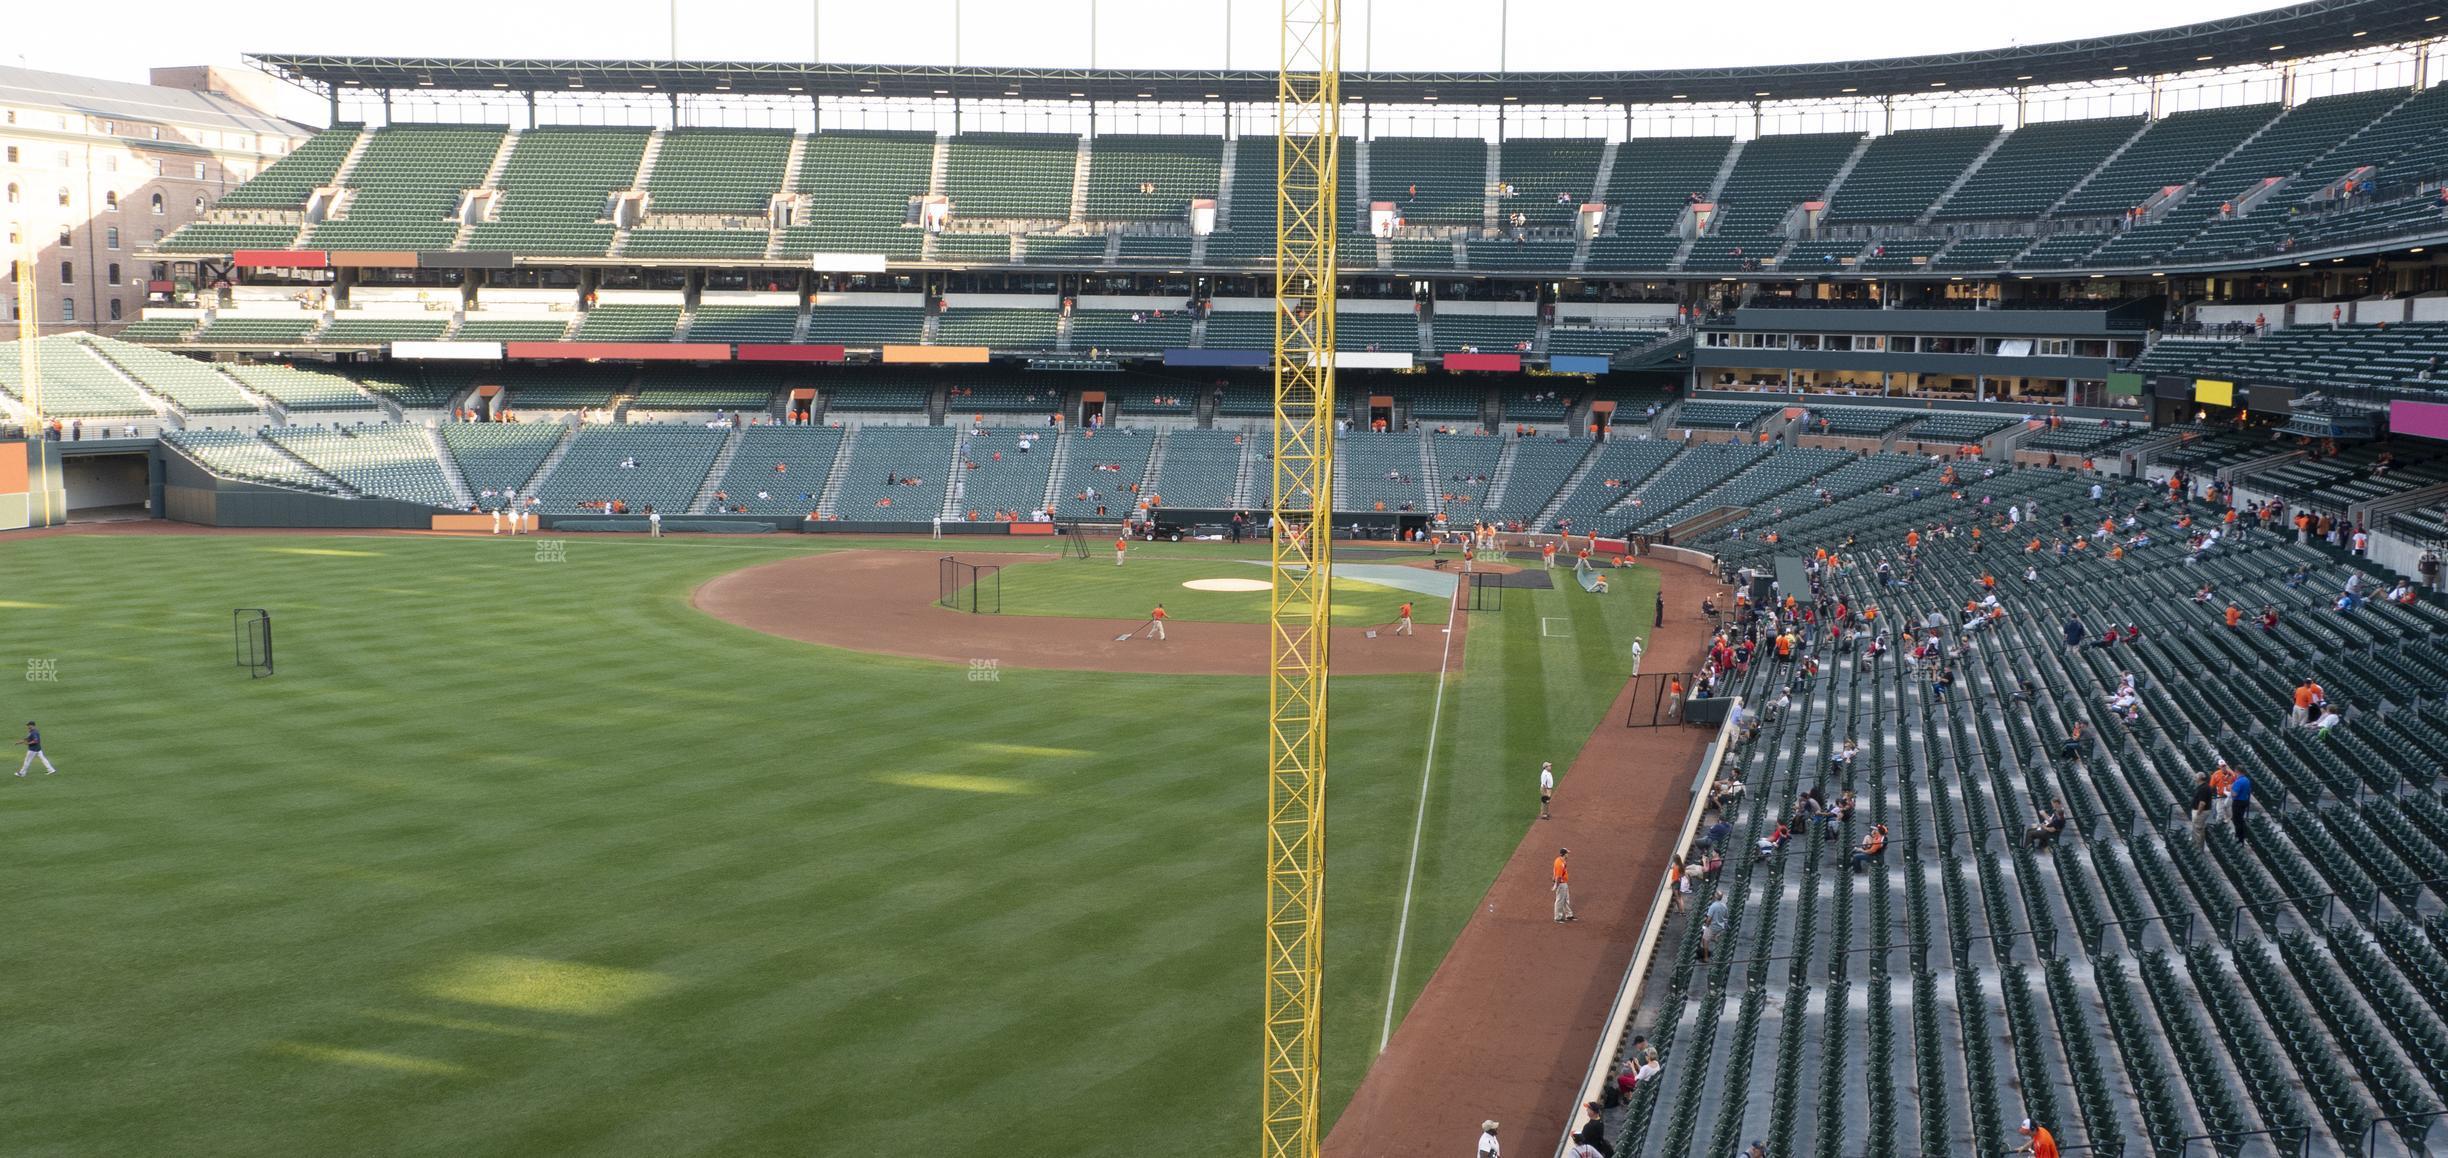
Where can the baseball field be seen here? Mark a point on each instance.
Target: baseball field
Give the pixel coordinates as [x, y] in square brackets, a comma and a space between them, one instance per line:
[523, 851]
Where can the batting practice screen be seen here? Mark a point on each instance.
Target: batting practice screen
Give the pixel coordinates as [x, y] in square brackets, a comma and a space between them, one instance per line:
[970, 587]
[253, 628]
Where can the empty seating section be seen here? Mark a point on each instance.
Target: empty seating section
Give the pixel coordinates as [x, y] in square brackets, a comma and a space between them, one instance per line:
[1098, 476]
[1774, 174]
[1430, 180]
[193, 385]
[2059, 250]
[1484, 333]
[1507, 254]
[629, 323]
[1541, 467]
[2034, 167]
[1066, 250]
[1435, 400]
[880, 393]
[1900, 255]
[1854, 421]
[288, 330]
[1200, 469]
[746, 388]
[1653, 180]
[367, 331]
[1413, 253]
[157, 330]
[2174, 150]
[855, 189]
[241, 455]
[2402, 130]
[804, 456]
[556, 190]
[1172, 170]
[1140, 330]
[1824, 256]
[565, 387]
[1981, 252]
[524, 329]
[977, 248]
[1535, 405]
[1173, 250]
[1622, 465]
[1381, 469]
[288, 182]
[2303, 133]
[972, 395]
[1540, 169]
[866, 325]
[406, 187]
[1467, 465]
[997, 327]
[392, 462]
[896, 474]
[416, 386]
[1960, 427]
[1901, 174]
[1242, 330]
[1597, 341]
[75, 384]
[1019, 176]
[225, 236]
[1683, 483]
[768, 324]
[1721, 415]
[1383, 332]
[499, 456]
[298, 388]
[749, 243]
[717, 171]
[667, 466]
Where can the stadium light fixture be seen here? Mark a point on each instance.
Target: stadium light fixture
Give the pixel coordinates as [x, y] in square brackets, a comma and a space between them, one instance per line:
[1146, 95]
[798, 88]
[649, 84]
[2026, 76]
[2121, 68]
[1079, 94]
[1937, 84]
[2277, 48]
[2202, 57]
[1682, 96]
[2416, 249]
[2301, 264]
[1213, 96]
[868, 88]
[2360, 33]
[501, 84]
[1597, 98]
[1848, 90]
[1512, 98]
[1756, 94]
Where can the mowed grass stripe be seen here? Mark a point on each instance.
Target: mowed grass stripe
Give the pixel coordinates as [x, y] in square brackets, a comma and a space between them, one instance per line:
[230, 913]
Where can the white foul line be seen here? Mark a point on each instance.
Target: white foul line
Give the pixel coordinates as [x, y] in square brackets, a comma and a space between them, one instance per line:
[1419, 822]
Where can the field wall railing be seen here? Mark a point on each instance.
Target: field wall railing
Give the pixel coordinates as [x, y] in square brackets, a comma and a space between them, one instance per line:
[1628, 992]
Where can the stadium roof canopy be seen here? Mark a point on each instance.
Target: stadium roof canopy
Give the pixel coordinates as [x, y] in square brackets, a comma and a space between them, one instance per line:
[2294, 32]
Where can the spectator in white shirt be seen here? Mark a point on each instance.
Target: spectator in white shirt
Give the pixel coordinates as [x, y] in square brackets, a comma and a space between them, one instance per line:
[1487, 1140]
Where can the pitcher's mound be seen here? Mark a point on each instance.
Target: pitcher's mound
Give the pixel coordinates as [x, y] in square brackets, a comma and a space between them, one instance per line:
[1227, 584]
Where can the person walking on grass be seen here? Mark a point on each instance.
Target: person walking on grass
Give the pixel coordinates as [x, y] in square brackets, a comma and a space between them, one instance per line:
[33, 746]
[1546, 787]
[1402, 622]
[1156, 621]
[1563, 888]
[1121, 545]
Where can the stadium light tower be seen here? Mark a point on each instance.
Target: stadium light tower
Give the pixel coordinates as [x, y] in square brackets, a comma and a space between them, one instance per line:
[1301, 508]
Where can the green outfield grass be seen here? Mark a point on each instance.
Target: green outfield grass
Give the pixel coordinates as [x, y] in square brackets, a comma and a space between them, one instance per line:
[516, 857]
[1094, 591]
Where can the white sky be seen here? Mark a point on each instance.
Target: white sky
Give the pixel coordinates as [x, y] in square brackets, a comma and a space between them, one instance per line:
[1397, 35]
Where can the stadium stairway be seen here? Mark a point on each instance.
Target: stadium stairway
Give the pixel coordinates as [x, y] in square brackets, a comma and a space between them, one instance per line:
[826, 505]
[463, 498]
[553, 459]
[2111, 159]
[716, 473]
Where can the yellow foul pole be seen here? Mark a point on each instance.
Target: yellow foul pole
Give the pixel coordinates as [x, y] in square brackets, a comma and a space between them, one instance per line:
[1301, 525]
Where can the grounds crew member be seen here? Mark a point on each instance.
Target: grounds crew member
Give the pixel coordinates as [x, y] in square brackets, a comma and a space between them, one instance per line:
[1121, 544]
[1156, 620]
[1402, 625]
[1546, 786]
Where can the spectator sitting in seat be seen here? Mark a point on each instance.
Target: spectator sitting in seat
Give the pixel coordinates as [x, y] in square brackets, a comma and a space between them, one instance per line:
[1774, 841]
[2074, 744]
[1873, 847]
[2044, 832]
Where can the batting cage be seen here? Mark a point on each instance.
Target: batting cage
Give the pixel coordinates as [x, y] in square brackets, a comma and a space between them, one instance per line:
[972, 587]
[1657, 699]
[1075, 542]
[253, 628]
[1486, 592]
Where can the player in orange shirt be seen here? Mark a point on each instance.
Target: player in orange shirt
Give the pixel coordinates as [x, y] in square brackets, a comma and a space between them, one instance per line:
[1121, 545]
[1563, 888]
